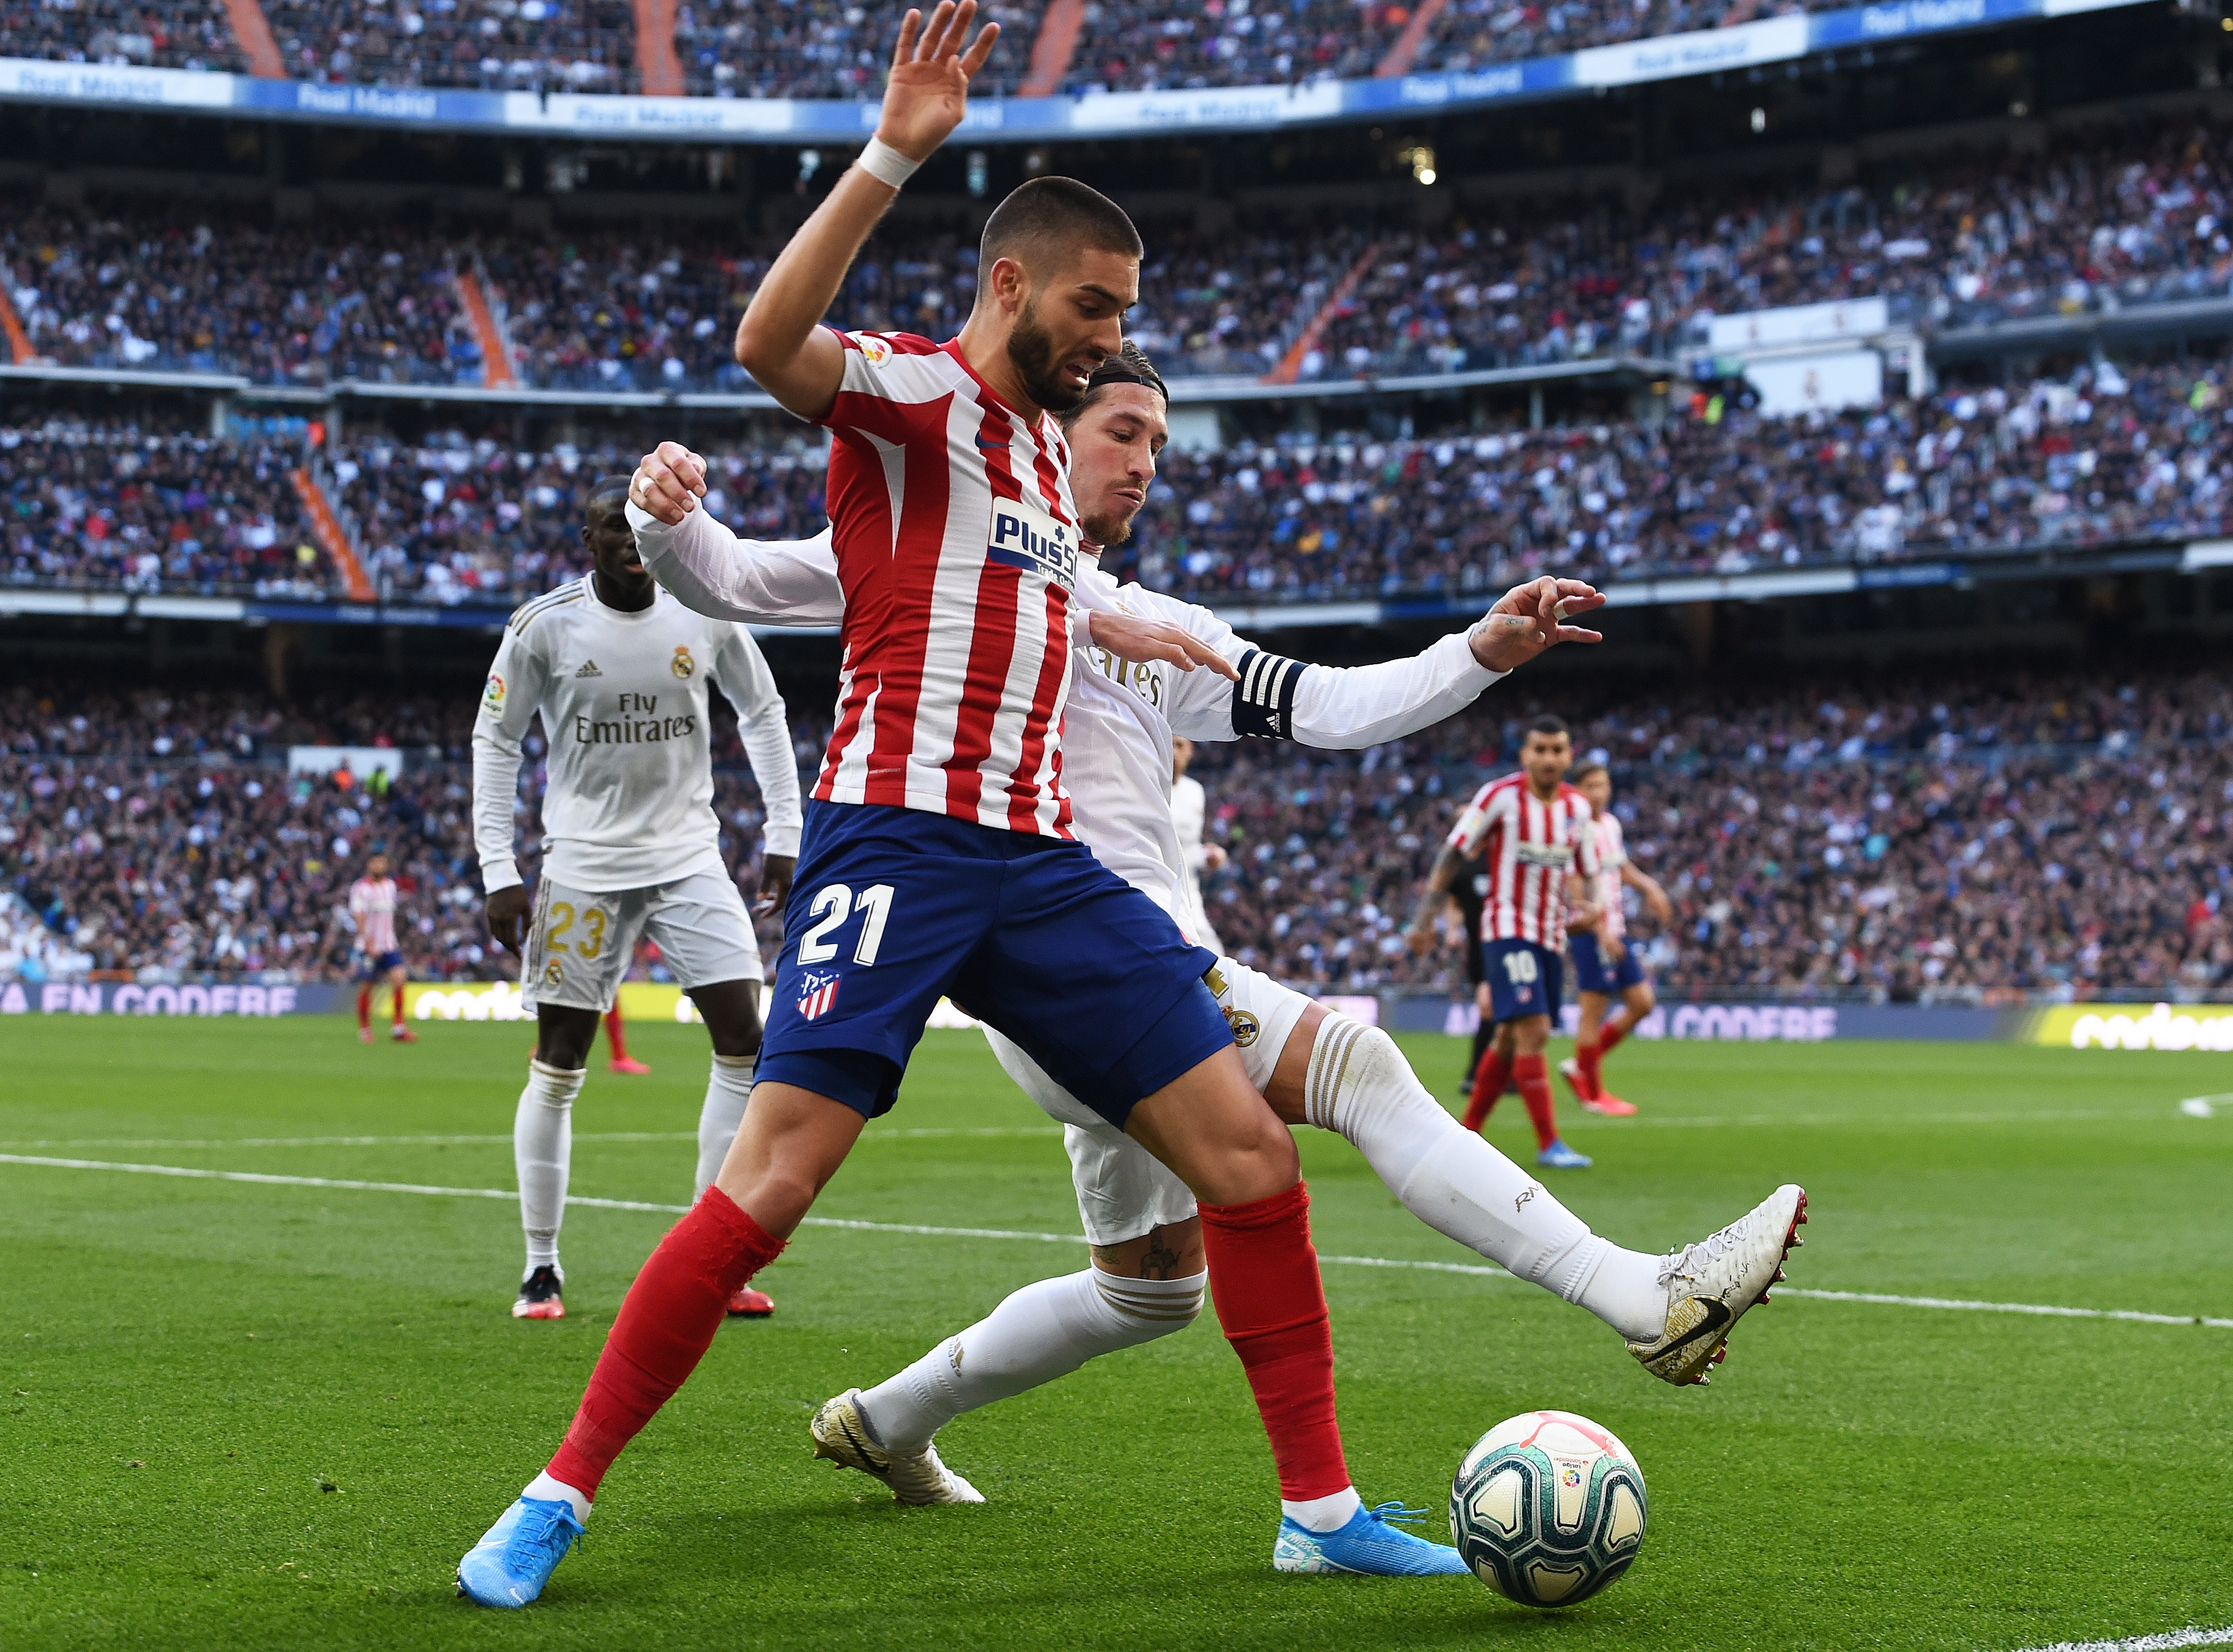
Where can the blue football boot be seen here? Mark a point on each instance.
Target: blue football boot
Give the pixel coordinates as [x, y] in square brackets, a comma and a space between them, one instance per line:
[1369, 1546]
[509, 1566]
[1559, 1156]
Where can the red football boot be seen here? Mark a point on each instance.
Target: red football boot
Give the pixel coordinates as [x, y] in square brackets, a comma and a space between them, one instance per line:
[629, 1065]
[539, 1296]
[744, 1303]
[1606, 1104]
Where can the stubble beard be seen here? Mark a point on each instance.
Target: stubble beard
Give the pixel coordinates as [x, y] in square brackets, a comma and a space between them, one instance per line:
[1032, 352]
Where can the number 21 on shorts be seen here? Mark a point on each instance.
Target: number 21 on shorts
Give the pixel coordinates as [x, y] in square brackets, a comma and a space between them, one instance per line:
[832, 904]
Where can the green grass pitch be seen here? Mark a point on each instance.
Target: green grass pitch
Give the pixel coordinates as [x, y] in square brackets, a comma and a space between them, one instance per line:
[243, 1416]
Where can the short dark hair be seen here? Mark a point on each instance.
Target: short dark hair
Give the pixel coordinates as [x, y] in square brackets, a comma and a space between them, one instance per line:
[1048, 217]
[1551, 725]
[1129, 365]
[606, 487]
[1583, 771]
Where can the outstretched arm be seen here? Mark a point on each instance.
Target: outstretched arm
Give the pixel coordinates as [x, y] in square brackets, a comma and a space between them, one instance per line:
[713, 571]
[1350, 707]
[780, 341]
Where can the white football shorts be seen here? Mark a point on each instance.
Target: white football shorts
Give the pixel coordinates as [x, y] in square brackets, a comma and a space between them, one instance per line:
[579, 944]
[1124, 1191]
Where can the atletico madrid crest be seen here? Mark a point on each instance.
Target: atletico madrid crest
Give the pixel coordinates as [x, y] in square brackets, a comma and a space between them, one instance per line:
[817, 991]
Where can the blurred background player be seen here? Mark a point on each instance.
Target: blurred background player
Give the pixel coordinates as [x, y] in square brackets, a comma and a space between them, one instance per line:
[1604, 963]
[621, 673]
[1191, 816]
[616, 1044]
[1531, 830]
[1469, 893]
[372, 905]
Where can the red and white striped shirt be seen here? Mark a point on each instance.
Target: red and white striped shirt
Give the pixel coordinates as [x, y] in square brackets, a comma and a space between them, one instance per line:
[1612, 854]
[372, 903]
[956, 541]
[1529, 849]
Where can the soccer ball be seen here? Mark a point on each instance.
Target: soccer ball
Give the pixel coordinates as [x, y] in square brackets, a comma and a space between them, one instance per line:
[1548, 1508]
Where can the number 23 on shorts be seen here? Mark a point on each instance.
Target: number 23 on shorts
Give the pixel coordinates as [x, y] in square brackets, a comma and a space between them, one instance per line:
[833, 903]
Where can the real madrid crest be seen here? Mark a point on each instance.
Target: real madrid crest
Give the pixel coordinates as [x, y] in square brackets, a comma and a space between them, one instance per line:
[1244, 1027]
[682, 665]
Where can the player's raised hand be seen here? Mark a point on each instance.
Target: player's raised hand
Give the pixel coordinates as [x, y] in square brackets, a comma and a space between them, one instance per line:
[1145, 641]
[1528, 619]
[929, 91]
[668, 482]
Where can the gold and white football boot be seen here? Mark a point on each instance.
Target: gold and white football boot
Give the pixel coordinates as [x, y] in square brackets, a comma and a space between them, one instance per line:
[842, 1434]
[1712, 1284]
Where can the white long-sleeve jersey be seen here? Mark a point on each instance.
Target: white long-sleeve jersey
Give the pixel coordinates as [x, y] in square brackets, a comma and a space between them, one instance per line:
[630, 802]
[1118, 730]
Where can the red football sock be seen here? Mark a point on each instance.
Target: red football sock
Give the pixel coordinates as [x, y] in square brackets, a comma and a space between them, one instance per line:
[614, 1036]
[1264, 1279]
[398, 1006]
[1609, 1035]
[1488, 1082]
[1586, 1057]
[363, 1008]
[664, 1325]
[1534, 1075]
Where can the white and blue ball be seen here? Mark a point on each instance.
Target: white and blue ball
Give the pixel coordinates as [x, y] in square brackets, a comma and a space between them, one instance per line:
[1548, 1508]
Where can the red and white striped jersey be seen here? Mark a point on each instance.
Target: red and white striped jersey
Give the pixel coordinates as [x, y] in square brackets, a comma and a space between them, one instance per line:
[372, 903]
[1528, 847]
[1612, 854]
[956, 541]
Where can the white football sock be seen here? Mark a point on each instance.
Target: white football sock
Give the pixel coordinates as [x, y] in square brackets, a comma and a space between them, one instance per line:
[1044, 1330]
[727, 1089]
[1324, 1513]
[1359, 1086]
[542, 1147]
[550, 1491]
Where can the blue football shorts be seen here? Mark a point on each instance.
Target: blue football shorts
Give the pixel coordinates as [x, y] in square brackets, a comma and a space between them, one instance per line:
[1593, 974]
[892, 908]
[1524, 979]
[373, 966]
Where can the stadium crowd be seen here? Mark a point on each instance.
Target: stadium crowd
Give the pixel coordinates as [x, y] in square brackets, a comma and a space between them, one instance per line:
[826, 48]
[2110, 456]
[2100, 220]
[1968, 838]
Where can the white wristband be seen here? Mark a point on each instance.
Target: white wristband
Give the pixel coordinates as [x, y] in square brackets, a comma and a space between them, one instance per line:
[881, 161]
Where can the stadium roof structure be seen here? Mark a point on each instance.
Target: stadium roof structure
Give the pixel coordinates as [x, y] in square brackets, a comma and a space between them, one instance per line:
[610, 116]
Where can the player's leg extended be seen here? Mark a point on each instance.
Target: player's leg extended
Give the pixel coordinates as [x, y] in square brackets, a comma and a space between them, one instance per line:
[1146, 1281]
[791, 1143]
[543, 1150]
[1638, 1000]
[1335, 1074]
[1491, 1074]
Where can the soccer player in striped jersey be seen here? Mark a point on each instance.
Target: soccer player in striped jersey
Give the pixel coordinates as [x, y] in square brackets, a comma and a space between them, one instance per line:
[937, 858]
[1605, 963]
[1532, 830]
[1313, 1066]
[378, 955]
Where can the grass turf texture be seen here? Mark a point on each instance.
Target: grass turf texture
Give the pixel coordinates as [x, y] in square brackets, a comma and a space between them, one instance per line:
[255, 1415]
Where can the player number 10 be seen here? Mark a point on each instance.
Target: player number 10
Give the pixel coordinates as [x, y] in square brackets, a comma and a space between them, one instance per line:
[1521, 967]
[832, 904]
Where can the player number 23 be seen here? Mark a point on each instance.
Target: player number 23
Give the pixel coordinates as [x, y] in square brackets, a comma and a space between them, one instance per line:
[832, 904]
[1521, 968]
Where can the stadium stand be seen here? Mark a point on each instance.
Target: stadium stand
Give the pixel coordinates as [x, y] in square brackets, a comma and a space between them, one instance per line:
[164, 33]
[1958, 839]
[2104, 459]
[2099, 221]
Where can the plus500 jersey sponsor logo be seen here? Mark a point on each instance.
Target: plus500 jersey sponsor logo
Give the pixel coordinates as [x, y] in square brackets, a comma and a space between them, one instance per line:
[1027, 537]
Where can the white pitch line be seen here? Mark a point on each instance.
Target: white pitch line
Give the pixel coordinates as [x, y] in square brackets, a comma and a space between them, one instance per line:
[483, 1140]
[2169, 1641]
[507, 1194]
